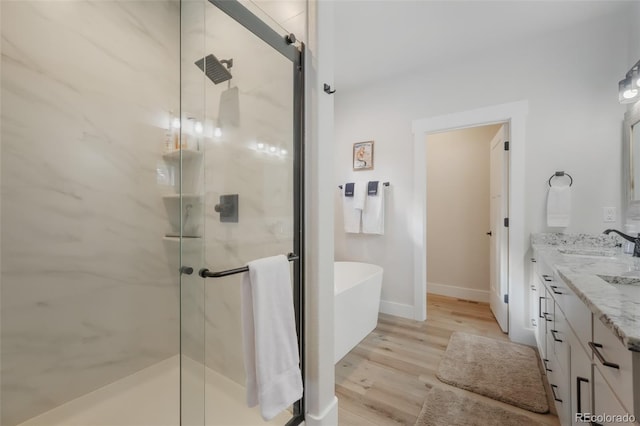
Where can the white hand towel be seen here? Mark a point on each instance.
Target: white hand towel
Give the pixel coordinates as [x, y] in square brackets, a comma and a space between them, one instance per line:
[269, 335]
[373, 214]
[559, 206]
[360, 195]
[350, 212]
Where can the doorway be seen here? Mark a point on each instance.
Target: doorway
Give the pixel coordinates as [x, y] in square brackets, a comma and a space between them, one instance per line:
[463, 200]
[513, 113]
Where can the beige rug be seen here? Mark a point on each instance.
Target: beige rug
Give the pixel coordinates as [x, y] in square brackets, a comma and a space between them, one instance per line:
[446, 408]
[500, 370]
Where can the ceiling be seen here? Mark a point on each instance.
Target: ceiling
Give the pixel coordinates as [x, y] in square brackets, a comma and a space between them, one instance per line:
[377, 40]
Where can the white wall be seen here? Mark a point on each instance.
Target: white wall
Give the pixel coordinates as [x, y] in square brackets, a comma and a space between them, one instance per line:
[570, 80]
[457, 166]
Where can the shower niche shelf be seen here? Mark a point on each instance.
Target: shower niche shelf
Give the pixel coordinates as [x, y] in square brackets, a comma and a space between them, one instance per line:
[184, 211]
[187, 154]
[185, 197]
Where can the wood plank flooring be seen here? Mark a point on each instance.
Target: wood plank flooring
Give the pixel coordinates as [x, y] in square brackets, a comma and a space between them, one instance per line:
[384, 380]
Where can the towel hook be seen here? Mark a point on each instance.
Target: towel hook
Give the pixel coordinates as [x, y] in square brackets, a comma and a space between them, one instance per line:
[560, 174]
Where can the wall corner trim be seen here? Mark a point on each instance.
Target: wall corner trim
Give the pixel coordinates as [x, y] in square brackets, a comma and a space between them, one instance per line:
[328, 416]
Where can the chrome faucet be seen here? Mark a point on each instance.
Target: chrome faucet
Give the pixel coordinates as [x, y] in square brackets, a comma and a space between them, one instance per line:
[634, 240]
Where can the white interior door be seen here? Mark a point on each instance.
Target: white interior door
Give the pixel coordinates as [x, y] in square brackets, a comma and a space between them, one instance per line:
[499, 233]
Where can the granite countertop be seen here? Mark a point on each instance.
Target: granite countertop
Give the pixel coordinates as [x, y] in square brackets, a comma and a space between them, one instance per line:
[586, 257]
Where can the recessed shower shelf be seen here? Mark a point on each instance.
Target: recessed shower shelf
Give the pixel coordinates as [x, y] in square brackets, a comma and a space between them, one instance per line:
[175, 239]
[184, 196]
[187, 154]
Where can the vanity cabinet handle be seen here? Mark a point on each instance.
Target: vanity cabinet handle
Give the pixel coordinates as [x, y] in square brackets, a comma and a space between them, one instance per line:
[545, 361]
[546, 317]
[554, 289]
[553, 391]
[579, 381]
[540, 306]
[553, 333]
[594, 347]
[547, 278]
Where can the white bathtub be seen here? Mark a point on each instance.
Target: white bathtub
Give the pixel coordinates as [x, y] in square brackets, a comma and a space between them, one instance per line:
[357, 301]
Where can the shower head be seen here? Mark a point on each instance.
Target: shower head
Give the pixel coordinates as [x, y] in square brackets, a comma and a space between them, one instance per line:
[214, 69]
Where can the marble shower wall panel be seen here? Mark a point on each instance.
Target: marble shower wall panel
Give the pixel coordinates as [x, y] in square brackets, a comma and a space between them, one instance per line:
[264, 183]
[89, 293]
[235, 165]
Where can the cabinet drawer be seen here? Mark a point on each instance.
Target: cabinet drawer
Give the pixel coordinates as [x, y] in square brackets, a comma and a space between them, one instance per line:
[560, 337]
[619, 369]
[579, 318]
[605, 402]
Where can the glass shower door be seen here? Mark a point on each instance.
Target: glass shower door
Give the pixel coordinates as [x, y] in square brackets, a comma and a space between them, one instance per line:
[241, 192]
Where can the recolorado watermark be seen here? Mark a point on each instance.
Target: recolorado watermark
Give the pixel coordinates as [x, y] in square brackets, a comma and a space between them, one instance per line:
[605, 418]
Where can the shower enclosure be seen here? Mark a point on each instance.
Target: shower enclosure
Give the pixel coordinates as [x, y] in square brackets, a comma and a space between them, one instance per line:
[241, 156]
[141, 143]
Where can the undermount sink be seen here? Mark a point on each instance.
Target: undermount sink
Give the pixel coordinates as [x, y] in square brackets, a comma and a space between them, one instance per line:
[587, 252]
[616, 279]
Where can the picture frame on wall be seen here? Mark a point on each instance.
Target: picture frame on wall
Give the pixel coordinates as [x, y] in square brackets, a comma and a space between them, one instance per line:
[363, 155]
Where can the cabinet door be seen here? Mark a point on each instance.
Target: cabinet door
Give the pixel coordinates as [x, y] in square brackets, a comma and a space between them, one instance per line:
[560, 390]
[605, 402]
[543, 315]
[581, 380]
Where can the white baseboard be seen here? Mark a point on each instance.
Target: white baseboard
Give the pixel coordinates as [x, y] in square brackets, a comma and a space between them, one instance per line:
[328, 417]
[397, 309]
[458, 292]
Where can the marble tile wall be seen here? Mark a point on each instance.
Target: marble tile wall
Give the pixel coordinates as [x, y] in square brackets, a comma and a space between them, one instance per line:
[89, 289]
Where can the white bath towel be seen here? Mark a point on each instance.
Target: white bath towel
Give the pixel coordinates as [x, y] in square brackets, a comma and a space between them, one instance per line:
[352, 207]
[270, 344]
[373, 213]
[559, 206]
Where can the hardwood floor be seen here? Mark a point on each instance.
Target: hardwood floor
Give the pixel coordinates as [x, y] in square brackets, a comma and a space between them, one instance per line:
[384, 380]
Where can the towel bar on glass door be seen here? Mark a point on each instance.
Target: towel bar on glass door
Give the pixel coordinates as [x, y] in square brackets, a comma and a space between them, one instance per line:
[205, 273]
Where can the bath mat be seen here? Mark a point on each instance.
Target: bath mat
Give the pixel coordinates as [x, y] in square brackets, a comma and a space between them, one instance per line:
[497, 369]
[445, 408]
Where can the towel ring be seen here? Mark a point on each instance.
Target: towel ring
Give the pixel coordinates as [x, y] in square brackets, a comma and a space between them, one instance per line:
[559, 174]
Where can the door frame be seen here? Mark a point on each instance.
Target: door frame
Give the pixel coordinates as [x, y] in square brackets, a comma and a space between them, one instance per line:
[515, 114]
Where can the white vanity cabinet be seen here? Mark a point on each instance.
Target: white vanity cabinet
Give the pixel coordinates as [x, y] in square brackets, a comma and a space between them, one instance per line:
[587, 366]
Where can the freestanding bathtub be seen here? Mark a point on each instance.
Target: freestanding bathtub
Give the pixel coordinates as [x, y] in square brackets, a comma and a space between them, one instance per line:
[357, 301]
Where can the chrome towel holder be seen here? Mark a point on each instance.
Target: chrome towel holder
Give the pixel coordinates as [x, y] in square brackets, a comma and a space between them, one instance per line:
[560, 174]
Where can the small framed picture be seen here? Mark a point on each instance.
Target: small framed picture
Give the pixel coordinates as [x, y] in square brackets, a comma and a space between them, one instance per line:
[363, 155]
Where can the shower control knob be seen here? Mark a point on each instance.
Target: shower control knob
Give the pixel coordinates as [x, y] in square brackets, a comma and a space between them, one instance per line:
[290, 39]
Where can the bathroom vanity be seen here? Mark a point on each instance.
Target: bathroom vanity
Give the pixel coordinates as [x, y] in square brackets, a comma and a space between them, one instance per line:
[585, 310]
